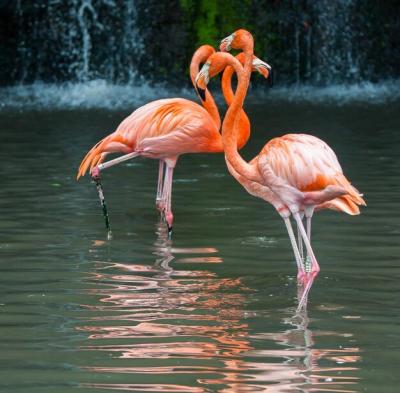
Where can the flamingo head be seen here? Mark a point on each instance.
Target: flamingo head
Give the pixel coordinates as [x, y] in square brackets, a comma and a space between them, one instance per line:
[226, 43]
[262, 67]
[240, 39]
[257, 65]
[213, 66]
[216, 63]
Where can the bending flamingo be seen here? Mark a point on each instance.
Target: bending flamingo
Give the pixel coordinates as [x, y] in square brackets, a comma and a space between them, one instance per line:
[165, 129]
[295, 173]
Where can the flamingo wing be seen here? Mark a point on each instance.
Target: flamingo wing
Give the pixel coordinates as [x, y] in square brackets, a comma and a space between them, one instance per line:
[309, 165]
[183, 119]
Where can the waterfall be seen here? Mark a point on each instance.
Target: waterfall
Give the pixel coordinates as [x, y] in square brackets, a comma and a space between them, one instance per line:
[78, 40]
[73, 52]
[324, 48]
[335, 55]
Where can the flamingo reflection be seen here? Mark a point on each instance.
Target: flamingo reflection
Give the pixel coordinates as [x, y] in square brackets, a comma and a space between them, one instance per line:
[195, 327]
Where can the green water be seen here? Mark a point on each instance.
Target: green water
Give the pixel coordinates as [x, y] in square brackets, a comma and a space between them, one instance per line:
[213, 310]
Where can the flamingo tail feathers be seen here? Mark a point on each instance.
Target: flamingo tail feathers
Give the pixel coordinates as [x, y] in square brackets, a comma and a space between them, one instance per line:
[348, 202]
[110, 144]
[352, 200]
[343, 204]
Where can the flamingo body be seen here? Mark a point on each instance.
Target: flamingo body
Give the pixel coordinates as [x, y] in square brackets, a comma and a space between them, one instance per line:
[165, 129]
[160, 129]
[309, 165]
[296, 173]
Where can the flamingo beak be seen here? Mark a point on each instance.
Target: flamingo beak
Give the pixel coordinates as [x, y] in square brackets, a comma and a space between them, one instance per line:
[226, 43]
[202, 80]
[264, 69]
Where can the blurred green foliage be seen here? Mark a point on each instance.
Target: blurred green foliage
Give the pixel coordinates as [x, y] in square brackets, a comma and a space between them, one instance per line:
[210, 20]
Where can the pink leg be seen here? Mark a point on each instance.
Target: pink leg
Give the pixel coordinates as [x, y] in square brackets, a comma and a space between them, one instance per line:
[115, 161]
[303, 294]
[160, 203]
[314, 264]
[300, 241]
[167, 197]
[309, 211]
[301, 274]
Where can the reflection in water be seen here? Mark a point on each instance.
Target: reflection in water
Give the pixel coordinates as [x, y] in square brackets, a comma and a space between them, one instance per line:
[164, 330]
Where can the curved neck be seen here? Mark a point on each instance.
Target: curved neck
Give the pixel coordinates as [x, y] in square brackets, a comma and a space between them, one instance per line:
[200, 56]
[244, 122]
[232, 120]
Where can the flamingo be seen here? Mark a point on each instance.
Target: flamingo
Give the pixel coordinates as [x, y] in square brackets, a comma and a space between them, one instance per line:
[165, 129]
[296, 173]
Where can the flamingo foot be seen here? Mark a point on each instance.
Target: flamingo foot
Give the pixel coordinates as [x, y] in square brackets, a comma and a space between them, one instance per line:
[315, 270]
[95, 173]
[307, 280]
[302, 278]
[169, 218]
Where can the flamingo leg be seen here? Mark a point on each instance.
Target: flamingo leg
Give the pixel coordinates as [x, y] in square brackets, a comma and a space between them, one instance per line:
[95, 173]
[309, 228]
[300, 241]
[167, 197]
[304, 295]
[314, 264]
[301, 273]
[96, 178]
[160, 203]
[309, 211]
[116, 161]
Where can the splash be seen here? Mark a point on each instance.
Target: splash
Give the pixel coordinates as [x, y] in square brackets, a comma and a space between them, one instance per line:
[100, 94]
[95, 94]
[339, 94]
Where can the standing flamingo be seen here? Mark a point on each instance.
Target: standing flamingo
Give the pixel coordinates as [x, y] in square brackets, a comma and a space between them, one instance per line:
[163, 130]
[295, 172]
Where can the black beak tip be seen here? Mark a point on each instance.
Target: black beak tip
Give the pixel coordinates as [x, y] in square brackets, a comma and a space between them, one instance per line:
[202, 93]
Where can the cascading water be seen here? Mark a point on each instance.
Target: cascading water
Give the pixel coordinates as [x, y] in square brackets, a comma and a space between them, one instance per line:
[336, 59]
[77, 40]
[323, 43]
[110, 52]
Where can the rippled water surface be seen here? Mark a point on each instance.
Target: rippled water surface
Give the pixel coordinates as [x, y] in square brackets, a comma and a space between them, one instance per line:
[213, 309]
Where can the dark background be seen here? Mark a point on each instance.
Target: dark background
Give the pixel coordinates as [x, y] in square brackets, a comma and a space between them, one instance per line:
[319, 42]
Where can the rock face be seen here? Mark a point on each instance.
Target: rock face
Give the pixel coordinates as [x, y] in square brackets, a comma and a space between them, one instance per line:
[319, 41]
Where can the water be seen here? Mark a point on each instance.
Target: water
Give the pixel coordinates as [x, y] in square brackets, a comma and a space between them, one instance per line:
[100, 94]
[319, 42]
[213, 310]
[331, 63]
[84, 39]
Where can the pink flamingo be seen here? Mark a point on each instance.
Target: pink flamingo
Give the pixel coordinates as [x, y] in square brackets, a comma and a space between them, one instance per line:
[165, 129]
[296, 173]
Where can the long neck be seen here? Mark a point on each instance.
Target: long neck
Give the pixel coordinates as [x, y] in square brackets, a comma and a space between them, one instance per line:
[244, 123]
[199, 57]
[231, 123]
